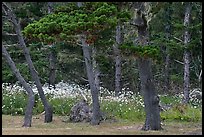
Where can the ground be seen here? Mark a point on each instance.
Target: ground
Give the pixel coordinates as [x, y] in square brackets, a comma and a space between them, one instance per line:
[12, 125]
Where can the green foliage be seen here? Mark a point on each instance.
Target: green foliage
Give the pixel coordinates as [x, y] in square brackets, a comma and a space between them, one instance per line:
[170, 99]
[176, 78]
[149, 51]
[69, 20]
[14, 104]
[182, 113]
[123, 110]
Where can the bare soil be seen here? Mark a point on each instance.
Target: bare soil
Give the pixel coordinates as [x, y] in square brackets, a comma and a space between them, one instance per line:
[12, 125]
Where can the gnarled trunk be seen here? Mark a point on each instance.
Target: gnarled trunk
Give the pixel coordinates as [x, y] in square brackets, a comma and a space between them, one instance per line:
[151, 99]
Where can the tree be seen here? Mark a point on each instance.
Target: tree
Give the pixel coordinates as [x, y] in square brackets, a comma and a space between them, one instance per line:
[11, 16]
[72, 23]
[52, 55]
[168, 29]
[31, 97]
[186, 53]
[151, 99]
[117, 60]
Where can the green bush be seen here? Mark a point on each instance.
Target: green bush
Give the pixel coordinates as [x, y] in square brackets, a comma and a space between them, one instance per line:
[182, 113]
[14, 103]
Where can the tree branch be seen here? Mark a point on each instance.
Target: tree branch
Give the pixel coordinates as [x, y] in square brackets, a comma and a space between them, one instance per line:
[179, 62]
[178, 39]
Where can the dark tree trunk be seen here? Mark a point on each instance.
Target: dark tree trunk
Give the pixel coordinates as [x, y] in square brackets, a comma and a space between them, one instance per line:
[52, 67]
[167, 56]
[117, 60]
[166, 73]
[186, 54]
[90, 74]
[34, 74]
[151, 99]
[31, 98]
[52, 56]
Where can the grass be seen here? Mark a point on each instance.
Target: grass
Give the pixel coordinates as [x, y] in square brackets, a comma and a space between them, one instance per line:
[12, 125]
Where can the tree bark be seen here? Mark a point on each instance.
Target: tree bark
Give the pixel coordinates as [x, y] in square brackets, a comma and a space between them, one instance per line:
[34, 74]
[52, 67]
[118, 64]
[31, 97]
[96, 69]
[186, 54]
[151, 99]
[52, 56]
[95, 120]
[167, 56]
[90, 74]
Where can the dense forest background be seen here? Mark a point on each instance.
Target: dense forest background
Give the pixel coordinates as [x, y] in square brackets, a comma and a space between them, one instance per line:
[168, 67]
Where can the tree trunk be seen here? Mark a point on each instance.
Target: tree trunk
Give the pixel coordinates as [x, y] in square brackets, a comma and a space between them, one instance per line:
[52, 67]
[186, 54]
[167, 56]
[34, 74]
[96, 69]
[151, 99]
[166, 73]
[31, 97]
[94, 91]
[117, 60]
[52, 56]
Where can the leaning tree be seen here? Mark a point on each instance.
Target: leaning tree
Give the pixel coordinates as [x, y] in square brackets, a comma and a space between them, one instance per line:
[13, 19]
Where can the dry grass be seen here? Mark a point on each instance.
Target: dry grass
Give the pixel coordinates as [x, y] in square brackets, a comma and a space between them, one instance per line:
[12, 125]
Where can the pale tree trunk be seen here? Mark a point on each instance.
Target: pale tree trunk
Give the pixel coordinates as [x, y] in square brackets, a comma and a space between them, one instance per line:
[151, 99]
[118, 64]
[90, 74]
[31, 97]
[95, 68]
[186, 54]
[52, 56]
[34, 74]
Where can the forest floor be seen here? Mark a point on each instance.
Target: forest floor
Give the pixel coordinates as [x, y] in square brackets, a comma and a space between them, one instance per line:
[12, 125]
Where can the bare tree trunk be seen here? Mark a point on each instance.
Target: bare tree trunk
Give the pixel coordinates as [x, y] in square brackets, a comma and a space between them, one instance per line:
[118, 64]
[96, 68]
[31, 97]
[52, 56]
[34, 74]
[186, 54]
[94, 91]
[151, 99]
[166, 73]
[95, 120]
